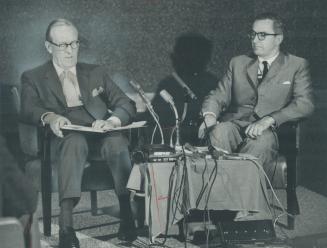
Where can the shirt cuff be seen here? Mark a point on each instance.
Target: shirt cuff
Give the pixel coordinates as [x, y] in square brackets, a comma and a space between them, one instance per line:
[274, 125]
[43, 117]
[210, 113]
[115, 120]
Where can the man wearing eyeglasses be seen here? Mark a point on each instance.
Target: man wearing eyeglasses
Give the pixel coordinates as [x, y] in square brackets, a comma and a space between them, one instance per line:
[258, 93]
[63, 91]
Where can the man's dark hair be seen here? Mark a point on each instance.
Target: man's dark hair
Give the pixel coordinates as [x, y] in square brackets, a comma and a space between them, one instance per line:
[278, 23]
[57, 22]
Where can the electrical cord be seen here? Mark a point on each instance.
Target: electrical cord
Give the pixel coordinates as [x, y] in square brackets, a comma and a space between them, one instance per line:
[174, 204]
[157, 120]
[215, 170]
[202, 187]
[273, 175]
[271, 187]
[171, 181]
[260, 168]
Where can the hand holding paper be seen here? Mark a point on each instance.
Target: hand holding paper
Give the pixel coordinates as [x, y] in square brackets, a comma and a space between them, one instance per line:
[102, 130]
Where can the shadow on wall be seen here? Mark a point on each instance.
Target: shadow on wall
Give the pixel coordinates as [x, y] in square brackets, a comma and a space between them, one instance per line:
[188, 84]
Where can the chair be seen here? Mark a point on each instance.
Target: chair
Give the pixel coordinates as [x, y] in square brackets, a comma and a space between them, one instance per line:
[11, 233]
[286, 169]
[35, 144]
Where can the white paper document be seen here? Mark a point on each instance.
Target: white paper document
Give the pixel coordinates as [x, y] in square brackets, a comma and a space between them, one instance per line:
[96, 130]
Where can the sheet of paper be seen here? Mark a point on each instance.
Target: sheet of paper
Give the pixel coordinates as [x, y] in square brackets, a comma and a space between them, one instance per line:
[91, 129]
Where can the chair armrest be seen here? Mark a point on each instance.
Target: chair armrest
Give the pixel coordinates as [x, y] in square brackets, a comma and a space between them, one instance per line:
[288, 137]
[44, 140]
[29, 140]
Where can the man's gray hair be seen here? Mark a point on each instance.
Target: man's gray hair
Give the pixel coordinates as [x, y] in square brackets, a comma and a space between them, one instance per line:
[57, 22]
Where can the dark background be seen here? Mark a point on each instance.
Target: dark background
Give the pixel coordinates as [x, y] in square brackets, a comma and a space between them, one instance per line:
[135, 38]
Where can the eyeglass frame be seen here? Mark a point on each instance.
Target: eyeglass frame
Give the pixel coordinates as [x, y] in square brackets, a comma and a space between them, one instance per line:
[263, 35]
[63, 46]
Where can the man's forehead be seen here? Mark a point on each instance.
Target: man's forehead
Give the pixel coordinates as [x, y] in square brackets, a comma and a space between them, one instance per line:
[63, 32]
[266, 25]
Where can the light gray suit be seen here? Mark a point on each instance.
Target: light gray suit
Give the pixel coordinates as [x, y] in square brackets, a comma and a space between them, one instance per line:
[284, 94]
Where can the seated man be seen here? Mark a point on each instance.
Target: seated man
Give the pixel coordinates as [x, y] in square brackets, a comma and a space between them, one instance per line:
[188, 86]
[257, 94]
[63, 91]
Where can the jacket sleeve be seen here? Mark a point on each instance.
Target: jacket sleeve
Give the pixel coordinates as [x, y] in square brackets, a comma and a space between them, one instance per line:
[121, 105]
[32, 107]
[219, 99]
[301, 104]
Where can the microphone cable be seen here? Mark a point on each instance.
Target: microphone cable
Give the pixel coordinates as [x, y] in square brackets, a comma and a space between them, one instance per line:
[214, 171]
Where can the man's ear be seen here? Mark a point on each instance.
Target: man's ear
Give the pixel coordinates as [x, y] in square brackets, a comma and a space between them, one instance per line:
[280, 38]
[48, 46]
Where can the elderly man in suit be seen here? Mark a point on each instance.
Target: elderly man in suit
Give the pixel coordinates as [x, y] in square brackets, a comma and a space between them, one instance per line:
[62, 92]
[257, 94]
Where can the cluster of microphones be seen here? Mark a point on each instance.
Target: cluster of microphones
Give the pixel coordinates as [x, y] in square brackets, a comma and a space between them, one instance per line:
[169, 99]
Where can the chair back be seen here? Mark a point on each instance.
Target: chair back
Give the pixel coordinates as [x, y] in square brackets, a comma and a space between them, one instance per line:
[28, 134]
[11, 233]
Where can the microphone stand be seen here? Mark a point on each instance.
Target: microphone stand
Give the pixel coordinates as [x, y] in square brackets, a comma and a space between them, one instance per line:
[169, 99]
[177, 144]
[148, 104]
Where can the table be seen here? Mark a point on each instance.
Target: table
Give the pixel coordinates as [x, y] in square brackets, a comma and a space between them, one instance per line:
[194, 182]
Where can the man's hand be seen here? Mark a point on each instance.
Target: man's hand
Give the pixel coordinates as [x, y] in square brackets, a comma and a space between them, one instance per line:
[256, 129]
[209, 121]
[56, 122]
[104, 124]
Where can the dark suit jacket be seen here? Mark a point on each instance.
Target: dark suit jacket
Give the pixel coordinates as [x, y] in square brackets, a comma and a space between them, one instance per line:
[285, 93]
[42, 92]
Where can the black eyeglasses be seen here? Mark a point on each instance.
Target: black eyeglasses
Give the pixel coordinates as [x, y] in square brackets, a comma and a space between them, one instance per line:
[62, 46]
[261, 35]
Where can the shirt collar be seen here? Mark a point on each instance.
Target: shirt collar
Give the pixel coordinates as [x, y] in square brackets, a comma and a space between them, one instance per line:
[270, 60]
[60, 70]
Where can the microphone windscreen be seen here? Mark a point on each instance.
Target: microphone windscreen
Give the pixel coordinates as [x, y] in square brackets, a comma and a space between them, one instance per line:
[166, 96]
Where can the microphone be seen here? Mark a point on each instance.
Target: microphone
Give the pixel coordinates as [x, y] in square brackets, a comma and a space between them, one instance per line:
[187, 89]
[141, 92]
[148, 104]
[169, 99]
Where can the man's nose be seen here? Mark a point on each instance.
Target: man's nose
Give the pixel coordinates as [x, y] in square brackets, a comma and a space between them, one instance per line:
[69, 49]
[255, 39]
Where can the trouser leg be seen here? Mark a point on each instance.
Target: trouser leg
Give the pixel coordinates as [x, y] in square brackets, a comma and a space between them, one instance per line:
[115, 151]
[71, 152]
[226, 135]
[264, 147]
[71, 155]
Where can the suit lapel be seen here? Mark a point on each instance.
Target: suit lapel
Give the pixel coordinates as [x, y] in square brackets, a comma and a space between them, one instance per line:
[275, 67]
[53, 83]
[82, 78]
[252, 71]
[93, 105]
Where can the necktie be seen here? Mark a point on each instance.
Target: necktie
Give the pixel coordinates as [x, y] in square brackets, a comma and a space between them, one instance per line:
[264, 71]
[70, 89]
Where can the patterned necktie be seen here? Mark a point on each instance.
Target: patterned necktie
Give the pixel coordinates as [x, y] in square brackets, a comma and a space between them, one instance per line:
[70, 89]
[264, 71]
